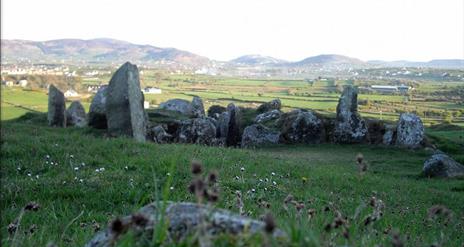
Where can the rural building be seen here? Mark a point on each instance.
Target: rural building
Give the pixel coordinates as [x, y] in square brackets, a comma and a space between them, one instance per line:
[151, 90]
[146, 104]
[22, 83]
[390, 89]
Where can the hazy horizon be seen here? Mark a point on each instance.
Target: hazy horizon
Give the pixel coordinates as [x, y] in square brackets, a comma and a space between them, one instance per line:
[291, 30]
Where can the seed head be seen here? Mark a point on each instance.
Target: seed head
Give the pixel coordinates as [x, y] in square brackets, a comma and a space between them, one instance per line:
[269, 223]
[196, 167]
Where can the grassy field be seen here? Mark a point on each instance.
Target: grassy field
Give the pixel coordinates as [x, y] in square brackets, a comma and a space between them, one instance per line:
[76, 196]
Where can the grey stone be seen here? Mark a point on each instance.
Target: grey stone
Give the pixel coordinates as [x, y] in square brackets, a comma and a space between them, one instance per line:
[230, 125]
[76, 115]
[390, 135]
[268, 116]
[198, 131]
[193, 109]
[349, 126]
[184, 219]
[124, 104]
[160, 135]
[274, 104]
[56, 107]
[441, 165]
[198, 110]
[258, 135]
[410, 131]
[301, 126]
[97, 110]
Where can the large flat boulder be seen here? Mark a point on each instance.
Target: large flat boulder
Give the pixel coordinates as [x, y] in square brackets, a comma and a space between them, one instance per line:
[97, 110]
[75, 115]
[193, 109]
[349, 126]
[124, 104]
[409, 131]
[183, 219]
[441, 165]
[259, 135]
[301, 126]
[230, 125]
[268, 116]
[56, 107]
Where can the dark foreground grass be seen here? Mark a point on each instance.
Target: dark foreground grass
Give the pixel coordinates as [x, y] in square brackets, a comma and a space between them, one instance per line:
[76, 196]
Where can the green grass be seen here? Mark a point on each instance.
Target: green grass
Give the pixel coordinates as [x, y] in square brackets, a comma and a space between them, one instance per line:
[131, 170]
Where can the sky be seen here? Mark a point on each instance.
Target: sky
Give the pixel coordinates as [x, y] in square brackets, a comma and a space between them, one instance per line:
[418, 30]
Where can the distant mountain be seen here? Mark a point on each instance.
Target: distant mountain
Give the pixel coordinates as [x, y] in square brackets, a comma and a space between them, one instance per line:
[330, 60]
[254, 60]
[437, 63]
[96, 51]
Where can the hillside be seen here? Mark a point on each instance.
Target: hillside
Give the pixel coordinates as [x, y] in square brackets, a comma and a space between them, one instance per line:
[108, 51]
[330, 60]
[254, 60]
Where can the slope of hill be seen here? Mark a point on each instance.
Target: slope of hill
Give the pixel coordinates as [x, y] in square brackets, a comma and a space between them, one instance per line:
[96, 51]
[254, 60]
[436, 63]
[330, 60]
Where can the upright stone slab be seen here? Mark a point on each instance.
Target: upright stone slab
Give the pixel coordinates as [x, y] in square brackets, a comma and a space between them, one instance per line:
[75, 115]
[349, 126]
[97, 111]
[197, 107]
[56, 107]
[229, 125]
[124, 104]
[410, 131]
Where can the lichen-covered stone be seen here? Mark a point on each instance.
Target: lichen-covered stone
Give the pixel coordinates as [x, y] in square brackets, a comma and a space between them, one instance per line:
[75, 115]
[258, 135]
[97, 110]
[183, 219]
[197, 130]
[441, 165]
[268, 116]
[301, 126]
[410, 131]
[349, 126]
[160, 135]
[124, 104]
[230, 124]
[56, 107]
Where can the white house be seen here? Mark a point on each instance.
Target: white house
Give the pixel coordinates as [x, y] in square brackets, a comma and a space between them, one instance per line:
[22, 83]
[151, 90]
[71, 93]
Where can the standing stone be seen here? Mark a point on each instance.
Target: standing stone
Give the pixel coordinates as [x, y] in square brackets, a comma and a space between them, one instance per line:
[75, 115]
[390, 135]
[441, 165]
[97, 111]
[274, 104]
[124, 104]
[301, 126]
[409, 131]
[198, 109]
[229, 125]
[56, 107]
[349, 126]
[181, 106]
[258, 135]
